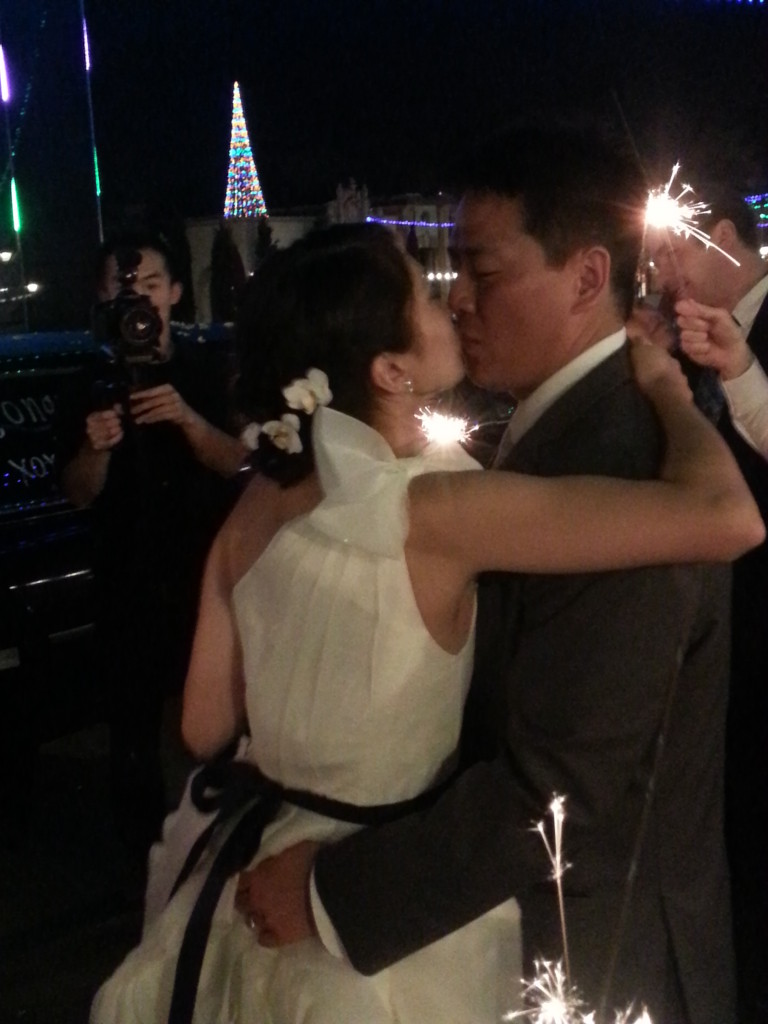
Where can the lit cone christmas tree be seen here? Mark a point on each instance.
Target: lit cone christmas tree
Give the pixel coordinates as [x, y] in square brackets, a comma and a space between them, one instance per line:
[244, 196]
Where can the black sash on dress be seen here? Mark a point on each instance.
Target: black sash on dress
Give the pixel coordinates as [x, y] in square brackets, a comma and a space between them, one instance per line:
[226, 786]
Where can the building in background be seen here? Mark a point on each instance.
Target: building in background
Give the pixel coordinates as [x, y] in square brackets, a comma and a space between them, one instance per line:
[423, 223]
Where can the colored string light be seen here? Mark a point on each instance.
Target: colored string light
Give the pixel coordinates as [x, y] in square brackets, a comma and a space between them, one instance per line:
[96, 171]
[86, 48]
[392, 222]
[15, 207]
[24, 103]
[244, 197]
[96, 178]
[759, 204]
[5, 92]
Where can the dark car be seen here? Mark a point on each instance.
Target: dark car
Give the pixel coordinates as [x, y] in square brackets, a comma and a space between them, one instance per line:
[48, 684]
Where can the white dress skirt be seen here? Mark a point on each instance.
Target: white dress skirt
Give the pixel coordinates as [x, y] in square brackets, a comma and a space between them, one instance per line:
[347, 696]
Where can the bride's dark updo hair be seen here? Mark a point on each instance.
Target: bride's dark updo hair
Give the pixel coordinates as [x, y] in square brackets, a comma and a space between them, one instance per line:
[333, 300]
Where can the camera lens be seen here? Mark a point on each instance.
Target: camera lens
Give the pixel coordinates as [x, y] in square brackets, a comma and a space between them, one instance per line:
[140, 325]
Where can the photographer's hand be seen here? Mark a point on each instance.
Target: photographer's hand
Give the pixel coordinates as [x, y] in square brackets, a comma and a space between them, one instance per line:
[211, 446]
[162, 404]
[104, 428]
[84, 476]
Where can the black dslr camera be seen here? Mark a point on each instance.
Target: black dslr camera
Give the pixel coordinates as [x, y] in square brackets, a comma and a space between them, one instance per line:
[130, 327]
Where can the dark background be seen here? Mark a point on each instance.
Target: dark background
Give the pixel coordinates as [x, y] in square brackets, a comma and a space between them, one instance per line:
[384, 91]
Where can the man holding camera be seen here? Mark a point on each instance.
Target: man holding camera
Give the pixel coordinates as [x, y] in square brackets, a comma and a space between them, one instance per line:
[144, 442]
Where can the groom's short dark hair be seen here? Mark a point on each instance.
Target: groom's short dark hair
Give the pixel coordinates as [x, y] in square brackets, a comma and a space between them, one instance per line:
[578, 185]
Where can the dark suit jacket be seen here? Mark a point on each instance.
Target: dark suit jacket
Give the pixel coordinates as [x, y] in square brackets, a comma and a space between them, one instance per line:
[573, 677]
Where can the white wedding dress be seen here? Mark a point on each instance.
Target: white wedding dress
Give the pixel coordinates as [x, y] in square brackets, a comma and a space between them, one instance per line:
[348, 696]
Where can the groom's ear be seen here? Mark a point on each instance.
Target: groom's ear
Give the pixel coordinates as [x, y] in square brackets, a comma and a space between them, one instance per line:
[725, 235]
[592, 276]
[388, 373]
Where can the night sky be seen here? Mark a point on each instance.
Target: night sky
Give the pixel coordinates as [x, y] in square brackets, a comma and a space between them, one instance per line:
[385, 91]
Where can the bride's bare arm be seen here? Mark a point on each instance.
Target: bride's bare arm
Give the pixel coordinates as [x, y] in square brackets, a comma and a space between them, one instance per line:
[213, 711]
[699, 510]
[214, 691]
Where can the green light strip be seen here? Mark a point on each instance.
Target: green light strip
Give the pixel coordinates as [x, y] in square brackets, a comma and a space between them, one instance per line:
[15, 207]
[96, 172]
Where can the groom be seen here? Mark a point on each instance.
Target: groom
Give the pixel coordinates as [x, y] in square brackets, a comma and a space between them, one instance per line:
[609, 689]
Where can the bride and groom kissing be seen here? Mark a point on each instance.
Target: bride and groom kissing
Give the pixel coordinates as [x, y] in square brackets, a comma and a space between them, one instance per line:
[351, 581]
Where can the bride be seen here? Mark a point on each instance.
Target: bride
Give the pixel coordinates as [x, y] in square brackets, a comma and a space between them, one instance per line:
[336, 628]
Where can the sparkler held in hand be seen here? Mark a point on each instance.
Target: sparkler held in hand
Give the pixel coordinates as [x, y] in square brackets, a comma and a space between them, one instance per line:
[666, 212]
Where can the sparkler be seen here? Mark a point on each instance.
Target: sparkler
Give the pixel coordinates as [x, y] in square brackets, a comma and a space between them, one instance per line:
[555, 853]
[442, 429]
[667, 212]
[550, 994]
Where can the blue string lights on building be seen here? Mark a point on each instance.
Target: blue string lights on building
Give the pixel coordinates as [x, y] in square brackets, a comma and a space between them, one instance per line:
[244, 196]
[760, 204]
[393, 222]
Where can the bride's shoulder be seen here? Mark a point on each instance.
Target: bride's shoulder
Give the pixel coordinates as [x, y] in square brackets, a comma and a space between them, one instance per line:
[262, 509]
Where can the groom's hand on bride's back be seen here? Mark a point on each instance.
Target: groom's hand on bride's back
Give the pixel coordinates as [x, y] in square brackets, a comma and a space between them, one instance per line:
[274, 896]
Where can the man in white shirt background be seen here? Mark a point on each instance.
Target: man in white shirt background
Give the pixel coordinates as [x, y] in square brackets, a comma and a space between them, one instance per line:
[722, 309]
[713, 337]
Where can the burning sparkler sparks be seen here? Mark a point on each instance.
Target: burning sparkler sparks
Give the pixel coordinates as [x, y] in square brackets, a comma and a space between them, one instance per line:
[551, 997]
[553, 1000]
[667, 212]
[442, 429]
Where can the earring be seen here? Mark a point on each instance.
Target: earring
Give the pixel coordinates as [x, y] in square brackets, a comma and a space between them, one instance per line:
[408, 385]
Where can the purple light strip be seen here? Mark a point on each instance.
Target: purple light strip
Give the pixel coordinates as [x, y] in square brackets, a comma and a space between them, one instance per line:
[86, 48]
[5, 92]
[410, 223]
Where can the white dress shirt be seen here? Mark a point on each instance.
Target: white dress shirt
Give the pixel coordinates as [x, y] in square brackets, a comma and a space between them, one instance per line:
[530, 409]
[747, 394]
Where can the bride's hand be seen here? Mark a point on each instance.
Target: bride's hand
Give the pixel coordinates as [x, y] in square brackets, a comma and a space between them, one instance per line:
[656, 371]
[274, 896]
